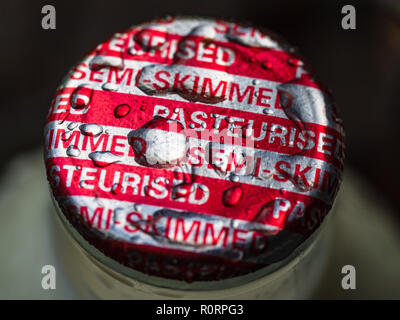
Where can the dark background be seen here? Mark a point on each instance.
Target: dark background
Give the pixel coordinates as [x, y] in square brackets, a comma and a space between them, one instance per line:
[360, 66]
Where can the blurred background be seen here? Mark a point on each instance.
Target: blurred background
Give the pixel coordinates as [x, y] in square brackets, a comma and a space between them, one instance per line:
[362, 66]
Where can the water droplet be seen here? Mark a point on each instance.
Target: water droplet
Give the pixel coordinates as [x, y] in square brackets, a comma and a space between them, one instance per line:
[267, 65]
[295, 62]
[205, 30]
[188, 90]
[143, 108]
[104, 158]
[145, 37]
[132, 51]
[116, 188]
[191, 125]
[176, 110]
[72, 125]
[293, 106]
[255, 81]
[159, 143]
[79, 168]
[138, 207]
[182, 190]
[267, 111]
[247, 131]
[81, 97]
[264, 127]
[66, 136]
[234, 177]
[161, 179]
[110, 86]
[73, 151]
[122, 110]
[265, 216]
[103, 61]
[232, 196]
[91, 129]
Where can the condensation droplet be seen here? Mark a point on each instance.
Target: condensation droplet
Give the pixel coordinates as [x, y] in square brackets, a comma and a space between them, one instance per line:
[104, 158]
[188, 89]
[103, 61]
[160, 143]
[116, 188]
[182, 190]
[232, 196]
[73, 151]
[91, 129]
[264, 127]
[205, 30]
[146, 38]
[191, 125]
[122, 110]
[81, 97]
[267, 65]
[247, 131]
[294, 62]
[72, 125]
[255, 81]
[234, 177]
[66, 135]
[267, 111]
[110, 86]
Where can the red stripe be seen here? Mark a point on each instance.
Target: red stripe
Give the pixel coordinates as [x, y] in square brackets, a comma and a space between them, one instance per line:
[249, 61]
[169, 263]
[142, 108]
[250, 207]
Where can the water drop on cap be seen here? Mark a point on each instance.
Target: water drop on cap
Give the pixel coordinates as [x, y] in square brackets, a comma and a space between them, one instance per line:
[73, 151]
[91, 129]
[267, 65]
[104, 158]
[122, 110]
[232, 196]
[110, 86]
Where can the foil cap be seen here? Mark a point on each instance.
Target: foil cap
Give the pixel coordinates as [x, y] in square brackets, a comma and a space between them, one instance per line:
[194, 149]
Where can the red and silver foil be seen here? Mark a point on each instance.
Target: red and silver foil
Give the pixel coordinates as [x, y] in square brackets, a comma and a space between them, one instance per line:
[194, 149]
